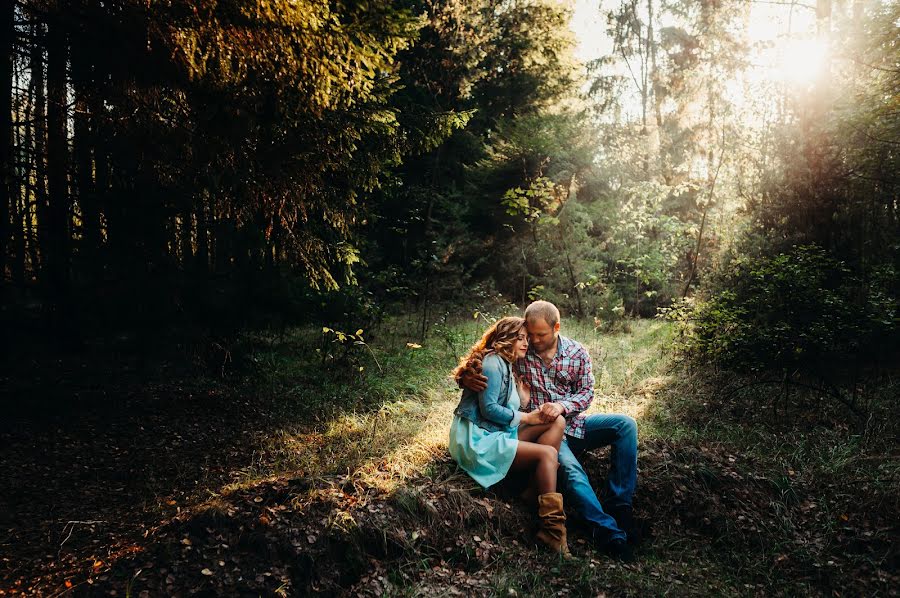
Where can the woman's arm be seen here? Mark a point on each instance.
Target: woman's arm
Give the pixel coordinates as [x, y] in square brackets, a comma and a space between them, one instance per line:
[489, 398]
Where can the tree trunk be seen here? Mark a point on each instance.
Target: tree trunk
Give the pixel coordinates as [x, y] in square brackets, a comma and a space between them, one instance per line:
[186, 238]
[40, 233]
[82, 80]
[19, 194]
[27, 244]
[202, 235]
[656, 88]
[101, 172]
[7, 32]
[57, 154]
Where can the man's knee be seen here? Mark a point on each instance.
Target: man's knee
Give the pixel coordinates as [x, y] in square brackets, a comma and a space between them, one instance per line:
[627, 427]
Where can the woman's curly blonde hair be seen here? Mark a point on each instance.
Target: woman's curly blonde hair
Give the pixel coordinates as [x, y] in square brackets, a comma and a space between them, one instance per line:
[500, 338]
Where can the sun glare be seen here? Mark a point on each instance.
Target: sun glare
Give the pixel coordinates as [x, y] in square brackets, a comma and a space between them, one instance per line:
[800, 61]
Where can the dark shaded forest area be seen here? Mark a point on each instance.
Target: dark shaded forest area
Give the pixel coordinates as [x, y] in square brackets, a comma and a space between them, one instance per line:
[243, 242]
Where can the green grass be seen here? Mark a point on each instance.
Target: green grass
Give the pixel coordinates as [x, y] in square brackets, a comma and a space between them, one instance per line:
[347, 412]
[387, 425]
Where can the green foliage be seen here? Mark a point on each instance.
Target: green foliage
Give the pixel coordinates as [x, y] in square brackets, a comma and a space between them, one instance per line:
[811, 288]
[506, 68]
[797, 312]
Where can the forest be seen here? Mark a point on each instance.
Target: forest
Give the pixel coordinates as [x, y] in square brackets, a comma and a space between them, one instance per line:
[243, 244]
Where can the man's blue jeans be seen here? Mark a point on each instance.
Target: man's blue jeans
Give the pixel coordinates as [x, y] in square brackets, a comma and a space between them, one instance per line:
[618, 431]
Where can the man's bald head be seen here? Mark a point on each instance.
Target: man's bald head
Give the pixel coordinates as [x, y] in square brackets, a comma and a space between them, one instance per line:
[543, 310]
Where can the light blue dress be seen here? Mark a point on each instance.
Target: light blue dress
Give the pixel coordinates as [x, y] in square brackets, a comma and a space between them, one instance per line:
[483, 454]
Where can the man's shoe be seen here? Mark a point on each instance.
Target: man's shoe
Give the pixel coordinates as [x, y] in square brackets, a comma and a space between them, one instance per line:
[620, 550]
[635, 529]
[617, 548]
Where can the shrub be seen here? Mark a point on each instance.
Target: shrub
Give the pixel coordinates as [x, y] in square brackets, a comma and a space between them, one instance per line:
[799, 312]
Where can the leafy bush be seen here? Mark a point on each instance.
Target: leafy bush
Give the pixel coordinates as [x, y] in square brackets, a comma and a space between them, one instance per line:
[799, 312]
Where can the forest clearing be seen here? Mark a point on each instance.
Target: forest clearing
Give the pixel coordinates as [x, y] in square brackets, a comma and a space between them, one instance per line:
[449, 297]
[268, 487]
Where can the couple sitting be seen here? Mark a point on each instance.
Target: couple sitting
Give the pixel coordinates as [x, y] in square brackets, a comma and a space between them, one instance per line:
[524, 413]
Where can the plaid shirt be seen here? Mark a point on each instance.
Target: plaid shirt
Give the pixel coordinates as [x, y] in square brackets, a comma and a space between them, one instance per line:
[567, 380]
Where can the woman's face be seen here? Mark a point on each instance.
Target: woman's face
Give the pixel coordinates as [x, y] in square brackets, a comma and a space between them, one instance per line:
[521, 343]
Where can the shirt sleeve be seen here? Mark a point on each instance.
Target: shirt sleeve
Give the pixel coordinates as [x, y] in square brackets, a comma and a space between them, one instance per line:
[582, 393]
[489, 398]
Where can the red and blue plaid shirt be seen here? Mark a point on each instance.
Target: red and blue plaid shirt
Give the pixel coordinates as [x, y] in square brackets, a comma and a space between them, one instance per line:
[567, 380]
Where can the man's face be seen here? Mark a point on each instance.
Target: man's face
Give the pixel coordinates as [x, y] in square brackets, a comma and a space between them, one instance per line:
[541, 336]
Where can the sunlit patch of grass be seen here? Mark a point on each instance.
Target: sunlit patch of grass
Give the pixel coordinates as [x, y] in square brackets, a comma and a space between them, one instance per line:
[389, 424]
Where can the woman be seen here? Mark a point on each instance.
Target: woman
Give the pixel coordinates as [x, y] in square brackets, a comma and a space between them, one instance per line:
[490, 436]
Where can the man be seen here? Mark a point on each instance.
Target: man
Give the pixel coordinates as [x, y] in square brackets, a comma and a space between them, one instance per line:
[558, 370]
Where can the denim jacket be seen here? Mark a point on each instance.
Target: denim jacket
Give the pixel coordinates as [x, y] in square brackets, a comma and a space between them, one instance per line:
[492, 408]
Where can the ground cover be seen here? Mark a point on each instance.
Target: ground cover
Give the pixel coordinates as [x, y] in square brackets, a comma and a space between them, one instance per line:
[301, 472]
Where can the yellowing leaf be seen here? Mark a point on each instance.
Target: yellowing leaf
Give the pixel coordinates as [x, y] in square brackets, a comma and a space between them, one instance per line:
[206, 572]
[358, 332]
[414, 345]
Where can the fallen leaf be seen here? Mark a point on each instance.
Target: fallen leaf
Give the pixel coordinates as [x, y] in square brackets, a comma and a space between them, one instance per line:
[206, 572]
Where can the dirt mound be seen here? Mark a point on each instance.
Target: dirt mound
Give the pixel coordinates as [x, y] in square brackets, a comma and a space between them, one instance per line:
[331, 536]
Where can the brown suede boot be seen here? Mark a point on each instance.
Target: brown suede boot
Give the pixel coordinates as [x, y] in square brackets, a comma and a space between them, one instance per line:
[553, 522]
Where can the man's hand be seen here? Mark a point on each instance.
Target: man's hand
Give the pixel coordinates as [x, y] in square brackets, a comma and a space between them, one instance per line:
[550, 411]
[473, 380]
[532, 418]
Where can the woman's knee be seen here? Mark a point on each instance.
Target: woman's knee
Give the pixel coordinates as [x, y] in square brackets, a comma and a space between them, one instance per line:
[549, 453]
[559, 422]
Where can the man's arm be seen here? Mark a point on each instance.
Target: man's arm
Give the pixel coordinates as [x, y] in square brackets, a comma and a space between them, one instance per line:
[472, 379]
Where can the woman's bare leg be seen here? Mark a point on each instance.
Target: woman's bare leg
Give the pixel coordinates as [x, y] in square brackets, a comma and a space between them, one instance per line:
[554, 434]
[550, 434]
[533, 432]
[541, 459]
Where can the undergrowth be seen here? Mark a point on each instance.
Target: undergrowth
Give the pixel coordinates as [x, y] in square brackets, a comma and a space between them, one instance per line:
[345, 485]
